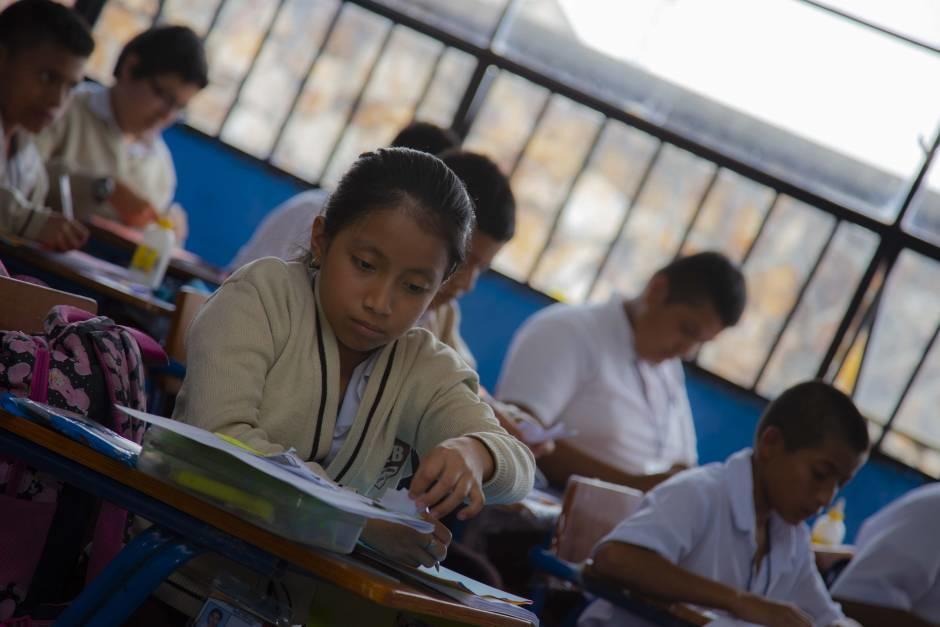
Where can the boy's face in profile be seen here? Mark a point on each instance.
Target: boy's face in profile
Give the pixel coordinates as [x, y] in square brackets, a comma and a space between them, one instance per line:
[672, 329]
[798, 483]
[43, 77]
[479, 257]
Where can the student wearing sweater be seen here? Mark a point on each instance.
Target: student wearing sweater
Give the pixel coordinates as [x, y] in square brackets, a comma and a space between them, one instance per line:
[324, 357]
[109, 140]
[43, 49]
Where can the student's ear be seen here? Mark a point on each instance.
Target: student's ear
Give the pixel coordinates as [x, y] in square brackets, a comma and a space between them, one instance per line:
[657, 291]
[126, 73]
[770, 442]
[318, 238]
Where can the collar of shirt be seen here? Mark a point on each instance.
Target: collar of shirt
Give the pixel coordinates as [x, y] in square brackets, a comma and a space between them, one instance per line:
[743, 509]
[98, 98]
[21, 170]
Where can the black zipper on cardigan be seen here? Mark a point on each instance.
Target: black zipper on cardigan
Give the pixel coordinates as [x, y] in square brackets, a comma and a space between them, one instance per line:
[375, 404]
[323, 386]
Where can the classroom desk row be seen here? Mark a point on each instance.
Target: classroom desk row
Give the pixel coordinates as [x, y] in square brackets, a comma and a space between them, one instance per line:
[186, 526]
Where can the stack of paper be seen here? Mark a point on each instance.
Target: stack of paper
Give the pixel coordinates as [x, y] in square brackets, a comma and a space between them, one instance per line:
[288, 470]
[467, 591]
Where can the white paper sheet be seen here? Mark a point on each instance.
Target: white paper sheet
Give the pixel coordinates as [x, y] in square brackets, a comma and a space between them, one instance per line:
[312, 484]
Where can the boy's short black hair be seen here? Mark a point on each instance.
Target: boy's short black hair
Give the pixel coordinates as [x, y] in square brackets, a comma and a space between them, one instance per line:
[426, 137]
[30, 23]
[167, 50]
[489, 189]
[707, 277]
[808, 413]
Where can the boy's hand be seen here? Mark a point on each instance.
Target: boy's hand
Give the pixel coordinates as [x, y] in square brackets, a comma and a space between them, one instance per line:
[132, 209]
[404, 544]
[61, 234]
[761, 611]
[452, 472]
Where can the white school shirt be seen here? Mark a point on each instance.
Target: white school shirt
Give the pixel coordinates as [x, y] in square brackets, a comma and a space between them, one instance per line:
[577, 364]
[703, 520]
[285, 232]
[897, 561]
[350, 406]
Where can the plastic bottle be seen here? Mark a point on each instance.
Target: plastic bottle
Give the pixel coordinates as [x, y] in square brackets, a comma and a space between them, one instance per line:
[152, 256]
[829, 529]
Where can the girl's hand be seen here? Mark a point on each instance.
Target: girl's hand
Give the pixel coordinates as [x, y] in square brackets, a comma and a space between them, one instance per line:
[452, 472]
[404, 544]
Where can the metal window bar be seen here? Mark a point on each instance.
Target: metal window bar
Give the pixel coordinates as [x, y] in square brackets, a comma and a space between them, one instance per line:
[915, 186]
[879, 263]
[215, 19]
[478, 90]
[695, 214]
[426, 88]
[536, 123]
[251, 66]
[796, 304]
[868, 325]
[327, 34]
[907, 387]
[760, 230]
[160, 5]
[563, 206]
[641, 184]
[871, 25]
[354, 106]
[503, 22]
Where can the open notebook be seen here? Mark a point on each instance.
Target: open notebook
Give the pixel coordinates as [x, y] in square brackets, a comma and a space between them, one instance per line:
[467, 591]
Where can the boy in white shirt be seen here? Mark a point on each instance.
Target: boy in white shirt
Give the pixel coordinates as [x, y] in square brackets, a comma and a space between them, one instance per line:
[894, 577]
[43, 50]
[109, 139]
[729, 536]
[612, 372]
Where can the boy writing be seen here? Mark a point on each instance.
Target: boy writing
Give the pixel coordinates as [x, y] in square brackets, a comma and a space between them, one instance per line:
[43, 49]
[729, 536]
[109, 140]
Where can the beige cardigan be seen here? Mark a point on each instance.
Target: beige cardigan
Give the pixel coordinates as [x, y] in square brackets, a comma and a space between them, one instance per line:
[444, 323]
[86, 143]
[261, 353]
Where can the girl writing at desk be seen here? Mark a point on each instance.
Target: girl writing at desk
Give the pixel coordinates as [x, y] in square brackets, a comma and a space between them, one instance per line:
[322, 355]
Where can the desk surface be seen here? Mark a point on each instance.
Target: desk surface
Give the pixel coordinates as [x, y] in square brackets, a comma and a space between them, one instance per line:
[184, 264]
[341, 570]
[99, 276]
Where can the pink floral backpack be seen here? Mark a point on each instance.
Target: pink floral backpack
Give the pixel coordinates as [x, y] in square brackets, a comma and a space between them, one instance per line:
[84, 364]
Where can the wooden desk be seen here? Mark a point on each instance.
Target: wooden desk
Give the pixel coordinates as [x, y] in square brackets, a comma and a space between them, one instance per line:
[346, 572]
[98, 276]
[184, 265]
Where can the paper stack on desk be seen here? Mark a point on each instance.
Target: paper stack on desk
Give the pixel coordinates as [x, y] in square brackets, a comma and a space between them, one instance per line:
[290, 470]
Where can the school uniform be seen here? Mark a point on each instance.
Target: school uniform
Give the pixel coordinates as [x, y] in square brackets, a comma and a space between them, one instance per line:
[703, 520]
[263, 367]
[87, 143]
[444, 323]
[23, 188]
[897, 561]
[578, 365]
[285, 231]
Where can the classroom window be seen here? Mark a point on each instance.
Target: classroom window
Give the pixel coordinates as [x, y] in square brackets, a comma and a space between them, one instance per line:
[625, 152]
[804, 113]
[790, 245]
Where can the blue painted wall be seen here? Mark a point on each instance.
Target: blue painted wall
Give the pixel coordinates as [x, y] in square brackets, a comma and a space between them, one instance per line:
[225, 194]
[228, 194]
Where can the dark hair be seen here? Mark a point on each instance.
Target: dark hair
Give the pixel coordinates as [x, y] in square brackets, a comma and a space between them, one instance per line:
[489, 190]
[30, 23]
[810, 412]
[167, 50]
[711, 278]
[426, 137]
[402, 177]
